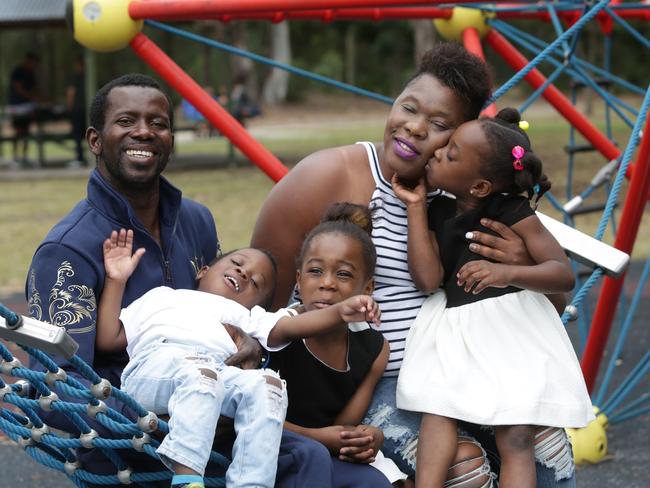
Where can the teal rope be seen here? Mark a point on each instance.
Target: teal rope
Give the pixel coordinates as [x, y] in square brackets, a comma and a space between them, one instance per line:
[575, 28]
[625, 162]
[270, 62]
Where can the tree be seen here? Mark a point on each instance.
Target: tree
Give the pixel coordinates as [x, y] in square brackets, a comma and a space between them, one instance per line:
[276, 85]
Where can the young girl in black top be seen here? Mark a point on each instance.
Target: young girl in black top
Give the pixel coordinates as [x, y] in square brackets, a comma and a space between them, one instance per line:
[491, 349]
[331, 377]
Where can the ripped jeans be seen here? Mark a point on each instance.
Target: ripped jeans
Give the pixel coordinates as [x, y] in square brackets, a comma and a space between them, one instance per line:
[195, 387]
[553, 454]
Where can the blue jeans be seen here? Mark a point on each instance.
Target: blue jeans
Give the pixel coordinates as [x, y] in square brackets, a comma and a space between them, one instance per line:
[401, 429]
[305, 462]
[194, 387]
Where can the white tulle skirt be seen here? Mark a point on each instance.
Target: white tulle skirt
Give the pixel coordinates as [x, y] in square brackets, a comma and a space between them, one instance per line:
[499, 361]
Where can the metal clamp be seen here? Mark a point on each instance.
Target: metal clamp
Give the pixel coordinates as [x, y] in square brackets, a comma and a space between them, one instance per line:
[93, 410]
[24, 388]
[37, 433]
[51, 378]
[25, 442]
[572, 312]
[148, 423]
[7, 366]
[87, 438]
[140, 442]
[101, 390]
[45, 401]
[124, 476]
[71, 466]
[5, 390]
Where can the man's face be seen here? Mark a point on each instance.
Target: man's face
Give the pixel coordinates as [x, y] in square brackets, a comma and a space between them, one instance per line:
[134, 147]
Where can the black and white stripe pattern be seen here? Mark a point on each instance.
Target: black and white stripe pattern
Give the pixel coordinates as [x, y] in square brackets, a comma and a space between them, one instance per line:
[395, 291]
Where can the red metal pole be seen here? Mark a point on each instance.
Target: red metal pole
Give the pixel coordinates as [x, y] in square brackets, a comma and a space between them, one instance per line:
[210, 108]
[330, 15]
[635, 202]
[554, 96]
[191, 9]
[472, 42]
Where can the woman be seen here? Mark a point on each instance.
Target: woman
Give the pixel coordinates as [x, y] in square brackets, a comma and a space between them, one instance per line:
[449, 88]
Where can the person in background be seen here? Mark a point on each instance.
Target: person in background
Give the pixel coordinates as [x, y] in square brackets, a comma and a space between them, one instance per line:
[75, 102]
[23, 96]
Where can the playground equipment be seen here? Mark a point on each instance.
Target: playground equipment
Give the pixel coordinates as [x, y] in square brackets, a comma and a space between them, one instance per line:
[106, 25]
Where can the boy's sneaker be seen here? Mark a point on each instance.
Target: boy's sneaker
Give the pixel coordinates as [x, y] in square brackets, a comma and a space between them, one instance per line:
[187, 481]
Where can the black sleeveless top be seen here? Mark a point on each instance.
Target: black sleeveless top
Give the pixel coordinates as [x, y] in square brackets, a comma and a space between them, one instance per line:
[318, 393]
[450, 230]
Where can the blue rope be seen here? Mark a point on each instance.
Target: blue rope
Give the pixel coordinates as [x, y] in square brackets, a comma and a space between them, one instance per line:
[630, 407]
[625, 162]
[535, 46]
[630, 382]
[625, 328]
[633, 32]
[270, 62]
[575, 28]
[10, 317]
[582, 293]
[537, 93]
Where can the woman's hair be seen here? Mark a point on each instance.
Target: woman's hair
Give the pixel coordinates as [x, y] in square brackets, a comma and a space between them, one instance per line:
[464, 73]
[503, 134]
[351, 220]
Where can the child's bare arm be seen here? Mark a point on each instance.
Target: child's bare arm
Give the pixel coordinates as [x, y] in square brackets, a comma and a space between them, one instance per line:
[553, 274]
[119, 263]
[354, 309]
[423, 254]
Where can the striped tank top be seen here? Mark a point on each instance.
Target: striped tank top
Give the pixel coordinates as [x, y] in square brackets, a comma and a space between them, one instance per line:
[399, 299]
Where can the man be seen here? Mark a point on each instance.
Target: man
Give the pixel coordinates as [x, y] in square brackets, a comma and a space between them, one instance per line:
[131, 136]
[23, 95]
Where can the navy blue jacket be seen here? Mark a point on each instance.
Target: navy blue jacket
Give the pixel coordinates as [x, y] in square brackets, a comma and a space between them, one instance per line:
[66, 276]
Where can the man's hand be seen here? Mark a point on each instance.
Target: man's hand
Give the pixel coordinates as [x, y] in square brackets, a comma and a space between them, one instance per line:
[476, 276]
[249, 350]
[119, 259]
[360, 308]
[360, 444]
[506, 247]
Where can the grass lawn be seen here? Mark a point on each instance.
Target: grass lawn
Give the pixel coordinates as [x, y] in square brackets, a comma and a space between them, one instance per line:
[30, 207]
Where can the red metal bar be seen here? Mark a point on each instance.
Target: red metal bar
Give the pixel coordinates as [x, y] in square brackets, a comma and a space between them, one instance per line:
[210, 108]
[635, 202]
[554, 96]
[626, 13]
[199, 9]
[330, 15]
[472, 42]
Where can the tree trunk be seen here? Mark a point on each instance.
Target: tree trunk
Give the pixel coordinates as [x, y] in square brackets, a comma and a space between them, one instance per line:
[350, 53]
[277, 84]
[424, 36]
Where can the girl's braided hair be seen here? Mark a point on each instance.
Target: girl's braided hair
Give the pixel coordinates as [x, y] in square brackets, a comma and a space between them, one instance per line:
[351, 220]
[503, 134]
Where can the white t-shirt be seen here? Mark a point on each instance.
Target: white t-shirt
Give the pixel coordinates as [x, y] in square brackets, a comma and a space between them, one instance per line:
[193, 318]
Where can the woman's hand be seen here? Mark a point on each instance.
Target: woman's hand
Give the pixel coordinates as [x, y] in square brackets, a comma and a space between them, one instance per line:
[249, 350]
[360, 444]
[506, 247]
[410, 196]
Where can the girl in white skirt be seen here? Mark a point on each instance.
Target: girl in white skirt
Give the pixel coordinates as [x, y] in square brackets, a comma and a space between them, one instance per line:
[491, 348]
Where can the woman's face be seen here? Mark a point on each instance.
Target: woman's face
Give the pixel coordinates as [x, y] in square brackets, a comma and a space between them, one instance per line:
[422, 119]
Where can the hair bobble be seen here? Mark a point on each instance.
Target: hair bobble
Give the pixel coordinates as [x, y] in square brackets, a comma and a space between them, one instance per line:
[523, 125]
[518, 153]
